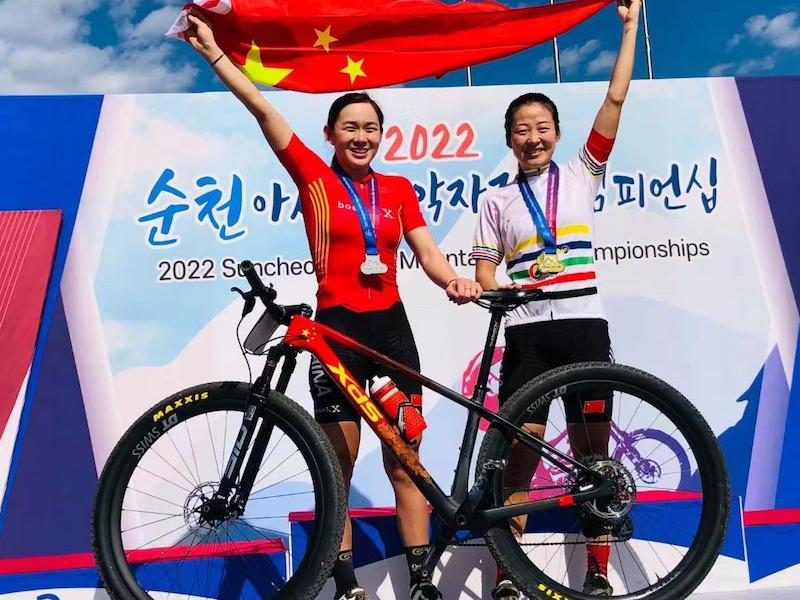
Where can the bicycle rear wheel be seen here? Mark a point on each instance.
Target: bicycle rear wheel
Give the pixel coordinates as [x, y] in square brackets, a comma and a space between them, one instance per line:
[666, 522]
[157, 534]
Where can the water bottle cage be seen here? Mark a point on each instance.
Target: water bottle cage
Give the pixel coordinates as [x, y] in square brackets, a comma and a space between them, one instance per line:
[400, 418]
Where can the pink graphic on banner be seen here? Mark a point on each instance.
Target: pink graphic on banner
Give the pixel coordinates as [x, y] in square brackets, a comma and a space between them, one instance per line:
[27, 246]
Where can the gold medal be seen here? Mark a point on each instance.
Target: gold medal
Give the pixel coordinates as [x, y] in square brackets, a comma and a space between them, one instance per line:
[546, 265]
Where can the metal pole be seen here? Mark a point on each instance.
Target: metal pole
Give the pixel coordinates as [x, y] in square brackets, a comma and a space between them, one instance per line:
[647, 48]
[469, 69]
[556, 61]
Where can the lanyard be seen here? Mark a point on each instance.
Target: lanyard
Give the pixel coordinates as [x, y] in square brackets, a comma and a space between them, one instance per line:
[368, 225]
[545, 226]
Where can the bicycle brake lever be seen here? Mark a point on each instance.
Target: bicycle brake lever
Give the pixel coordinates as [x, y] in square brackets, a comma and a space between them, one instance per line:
[249, 300]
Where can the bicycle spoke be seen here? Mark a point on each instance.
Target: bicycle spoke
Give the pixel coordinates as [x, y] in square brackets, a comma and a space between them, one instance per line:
[622, 568]
[650, 465]
[141, 468]
[149, 512]
[284, 480]
[278, 466]
[569, 561]
[150, 523]
[217, 461]
[269, 454]
[273, 496]
[185, 464]
[194, 456]
[154, 497]
[270, 582]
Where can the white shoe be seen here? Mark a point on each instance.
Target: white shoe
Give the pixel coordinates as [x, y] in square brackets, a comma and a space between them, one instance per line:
[356, 593]
[505, 590]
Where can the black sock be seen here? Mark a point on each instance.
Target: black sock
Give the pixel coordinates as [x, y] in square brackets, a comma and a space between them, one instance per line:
[415, 555]
[343, 572]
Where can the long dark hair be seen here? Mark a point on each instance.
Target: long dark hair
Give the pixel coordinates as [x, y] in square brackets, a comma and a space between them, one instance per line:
[529, 98]
[352, 98]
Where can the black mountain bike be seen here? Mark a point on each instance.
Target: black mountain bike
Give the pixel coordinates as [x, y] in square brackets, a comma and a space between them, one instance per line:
[229, 490]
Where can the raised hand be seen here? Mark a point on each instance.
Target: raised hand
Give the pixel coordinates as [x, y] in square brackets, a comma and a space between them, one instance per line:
[628, 11]
[200, 36]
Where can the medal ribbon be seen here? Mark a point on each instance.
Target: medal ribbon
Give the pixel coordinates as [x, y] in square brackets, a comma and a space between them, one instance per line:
[545, 226]
[368, 226]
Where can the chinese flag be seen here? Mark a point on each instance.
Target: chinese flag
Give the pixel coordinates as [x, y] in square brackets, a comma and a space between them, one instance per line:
[341, 45]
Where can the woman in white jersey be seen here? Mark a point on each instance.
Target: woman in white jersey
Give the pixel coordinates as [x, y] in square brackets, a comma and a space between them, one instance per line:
[541, 224]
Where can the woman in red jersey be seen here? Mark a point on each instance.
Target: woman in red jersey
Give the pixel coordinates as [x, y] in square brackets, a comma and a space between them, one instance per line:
[354, 219]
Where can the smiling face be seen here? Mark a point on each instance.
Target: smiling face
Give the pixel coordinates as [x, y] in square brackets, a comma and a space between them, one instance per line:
[355, 136]
[533, 136]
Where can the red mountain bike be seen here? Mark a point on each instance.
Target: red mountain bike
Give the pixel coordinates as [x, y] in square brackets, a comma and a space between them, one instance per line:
[200, 497]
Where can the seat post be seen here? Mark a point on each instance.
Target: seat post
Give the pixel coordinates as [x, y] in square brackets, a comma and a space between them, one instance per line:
[460, 481]
[488, 352]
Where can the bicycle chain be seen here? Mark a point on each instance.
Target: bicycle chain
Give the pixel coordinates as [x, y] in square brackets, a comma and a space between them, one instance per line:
[471, 543]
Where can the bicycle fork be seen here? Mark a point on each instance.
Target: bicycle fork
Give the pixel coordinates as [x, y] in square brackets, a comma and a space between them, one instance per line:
[251, 436]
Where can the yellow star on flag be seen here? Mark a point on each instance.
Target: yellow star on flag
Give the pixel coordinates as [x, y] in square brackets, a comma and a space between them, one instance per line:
[325, 39]
[257, 71]
[354, 69]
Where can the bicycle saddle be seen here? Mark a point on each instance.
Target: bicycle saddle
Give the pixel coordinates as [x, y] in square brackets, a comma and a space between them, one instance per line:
[507, 299]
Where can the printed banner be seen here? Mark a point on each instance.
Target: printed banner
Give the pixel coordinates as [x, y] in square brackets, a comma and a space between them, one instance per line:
[691, 263]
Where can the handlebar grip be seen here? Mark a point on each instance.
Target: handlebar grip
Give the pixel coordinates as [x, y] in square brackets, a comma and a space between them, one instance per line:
[266, 294]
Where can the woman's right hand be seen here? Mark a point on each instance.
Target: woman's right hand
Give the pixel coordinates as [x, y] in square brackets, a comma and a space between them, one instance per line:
[201, 37]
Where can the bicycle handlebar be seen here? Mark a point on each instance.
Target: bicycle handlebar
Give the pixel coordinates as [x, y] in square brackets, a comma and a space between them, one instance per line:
[282, 314]
[267, 295]
[505, 299]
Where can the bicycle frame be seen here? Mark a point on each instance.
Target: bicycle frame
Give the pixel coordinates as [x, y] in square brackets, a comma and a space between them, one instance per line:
[456, 511]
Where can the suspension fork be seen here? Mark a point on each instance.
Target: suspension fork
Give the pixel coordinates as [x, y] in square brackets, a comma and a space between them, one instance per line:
[251, 433]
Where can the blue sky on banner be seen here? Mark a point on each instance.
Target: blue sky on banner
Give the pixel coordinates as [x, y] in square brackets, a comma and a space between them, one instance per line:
[117, 46]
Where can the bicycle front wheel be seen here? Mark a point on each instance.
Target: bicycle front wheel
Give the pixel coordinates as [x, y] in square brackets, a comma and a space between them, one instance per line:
[158, 533]
[659, 533]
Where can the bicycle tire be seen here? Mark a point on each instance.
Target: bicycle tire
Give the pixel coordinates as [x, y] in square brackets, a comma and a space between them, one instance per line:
[245, 551]
[690, 571]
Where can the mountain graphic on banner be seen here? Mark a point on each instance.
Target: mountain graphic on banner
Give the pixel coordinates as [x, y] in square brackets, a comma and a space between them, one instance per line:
[27, 246]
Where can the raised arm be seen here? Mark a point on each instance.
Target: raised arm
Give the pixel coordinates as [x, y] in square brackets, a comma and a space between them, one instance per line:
[607, 120]
[272, 123]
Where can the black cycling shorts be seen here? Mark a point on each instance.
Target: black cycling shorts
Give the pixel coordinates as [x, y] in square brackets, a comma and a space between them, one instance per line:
[533, 348]
[386, 331]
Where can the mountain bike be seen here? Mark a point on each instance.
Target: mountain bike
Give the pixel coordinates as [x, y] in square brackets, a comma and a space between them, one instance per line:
[201, 496]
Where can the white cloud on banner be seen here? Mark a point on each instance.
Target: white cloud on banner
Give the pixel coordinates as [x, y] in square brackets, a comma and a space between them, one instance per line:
[46, 49]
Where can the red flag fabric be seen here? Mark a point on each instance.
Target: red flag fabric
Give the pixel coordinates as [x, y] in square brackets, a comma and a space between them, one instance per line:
[341, 45]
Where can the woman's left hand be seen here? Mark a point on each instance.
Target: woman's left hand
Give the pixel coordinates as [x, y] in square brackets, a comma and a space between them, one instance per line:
[463, 290]
[628, 11]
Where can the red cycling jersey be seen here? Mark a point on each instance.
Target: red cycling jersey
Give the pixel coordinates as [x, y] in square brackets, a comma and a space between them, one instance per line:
[334, 230]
